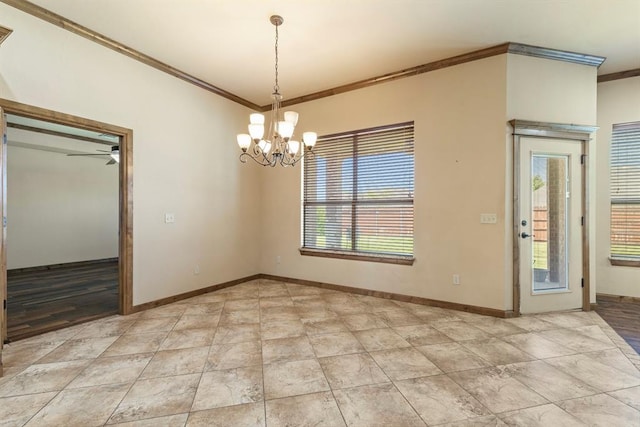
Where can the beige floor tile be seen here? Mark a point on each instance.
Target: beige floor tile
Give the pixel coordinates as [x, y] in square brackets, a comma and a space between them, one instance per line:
[159, 324]
[234, 355]
[242, 304]
[273, 291]
[236, 333]
[577, 340]
[418, 335]
[17, 410]
[615, 359]
[380, 339]
[363, 321]
[496, 327]
[376, 405]
[300, 290]
[112, 370]
[286, 349]
[324, 326]
[629, 396]
[309, 410]
[166, 421]
[531, 323]
[541, 416]
[188, 338]
[239, 317]
[433, 314]
[317, 314]
[230, 387]
[136, 343]
[602, 411]
[276, 314]
[246, 415]
[157, 397]
[594, 373]
[168, 363]
[285, 379]
[281, 301]
[81, 407]
[497, 352]
[567, 319]
[169, 310]
[86, 348]
[351, 306]
[451, 357]
[438, 399]
[398, 317]
[496, 390]
[335, 344]
[196, 321]
[281, 329]
[27, 352]
[43, 378]
[537, 346]
[404, 363]
[99, 329]
[549, 382]
[212, 309]
[460, 331]
[352, 370]
[487, 421]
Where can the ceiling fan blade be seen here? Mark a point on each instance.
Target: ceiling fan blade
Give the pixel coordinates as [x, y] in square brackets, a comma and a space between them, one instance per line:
[87, 154]
[110, 162]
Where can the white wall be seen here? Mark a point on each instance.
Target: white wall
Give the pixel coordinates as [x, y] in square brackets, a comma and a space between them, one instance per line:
[184, 152]
[459, 115]
[60, 209]
[558, 92]
[618, 102]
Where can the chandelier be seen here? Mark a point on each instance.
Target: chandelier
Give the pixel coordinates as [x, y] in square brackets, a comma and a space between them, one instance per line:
[277, 145]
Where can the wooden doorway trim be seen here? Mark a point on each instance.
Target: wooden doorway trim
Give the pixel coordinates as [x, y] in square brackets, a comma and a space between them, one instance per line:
[580, 133]
[125, 274]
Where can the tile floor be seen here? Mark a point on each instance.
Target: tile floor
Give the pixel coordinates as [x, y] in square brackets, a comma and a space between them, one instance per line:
[267, 353]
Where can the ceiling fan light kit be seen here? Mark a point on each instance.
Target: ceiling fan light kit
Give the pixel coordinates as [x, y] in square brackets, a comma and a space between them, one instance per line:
[278, 146]
[114, 153]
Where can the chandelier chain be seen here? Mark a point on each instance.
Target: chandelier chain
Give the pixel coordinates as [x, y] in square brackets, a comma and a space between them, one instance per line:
[276, 88]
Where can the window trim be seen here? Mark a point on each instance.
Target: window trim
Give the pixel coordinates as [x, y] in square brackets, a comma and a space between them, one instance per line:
[397, 259]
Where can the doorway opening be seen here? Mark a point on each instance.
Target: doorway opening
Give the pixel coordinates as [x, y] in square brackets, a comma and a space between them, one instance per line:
[110, 274]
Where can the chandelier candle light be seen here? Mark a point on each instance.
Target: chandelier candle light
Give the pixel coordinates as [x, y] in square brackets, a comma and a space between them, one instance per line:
[278, 145]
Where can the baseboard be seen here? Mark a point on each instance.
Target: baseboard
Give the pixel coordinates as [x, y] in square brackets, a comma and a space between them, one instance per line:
[360, 291]
[191, 294]
[61, 265]
[396, 297]
[618, 298]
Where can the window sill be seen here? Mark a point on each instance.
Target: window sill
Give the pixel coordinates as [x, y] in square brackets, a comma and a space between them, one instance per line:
[625, 262]
[388, 259]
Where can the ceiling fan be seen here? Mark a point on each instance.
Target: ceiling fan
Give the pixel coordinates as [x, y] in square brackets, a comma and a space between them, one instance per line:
[114, 153]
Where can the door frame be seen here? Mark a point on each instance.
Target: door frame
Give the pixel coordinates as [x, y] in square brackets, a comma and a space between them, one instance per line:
[125, 258]
[581, 133]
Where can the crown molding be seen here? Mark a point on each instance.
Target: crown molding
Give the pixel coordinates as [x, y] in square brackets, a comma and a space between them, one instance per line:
[4, 33]
[619, 75]
[509, 47]
[62, 22]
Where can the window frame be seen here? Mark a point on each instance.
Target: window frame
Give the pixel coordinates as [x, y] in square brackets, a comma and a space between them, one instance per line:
[398, 259]
[616, 259]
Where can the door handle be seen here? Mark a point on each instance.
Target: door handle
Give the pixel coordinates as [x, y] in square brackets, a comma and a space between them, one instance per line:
[524, 235]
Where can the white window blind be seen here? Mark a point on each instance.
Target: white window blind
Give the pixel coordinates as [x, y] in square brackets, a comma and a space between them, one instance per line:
[358, 192]
[625, 190]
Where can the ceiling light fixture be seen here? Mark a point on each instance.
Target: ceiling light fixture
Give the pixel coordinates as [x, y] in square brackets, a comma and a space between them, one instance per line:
[278, 145]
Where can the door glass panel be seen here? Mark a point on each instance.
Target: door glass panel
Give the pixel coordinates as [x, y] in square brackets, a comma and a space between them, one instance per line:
[549, 179]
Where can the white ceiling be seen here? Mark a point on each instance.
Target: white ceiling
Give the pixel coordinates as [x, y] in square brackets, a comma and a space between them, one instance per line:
[327, 43]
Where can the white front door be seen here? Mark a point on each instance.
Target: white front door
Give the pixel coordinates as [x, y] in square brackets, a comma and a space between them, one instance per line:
[550, 225]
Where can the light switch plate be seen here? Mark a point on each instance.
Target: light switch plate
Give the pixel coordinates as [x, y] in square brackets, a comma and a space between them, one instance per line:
[488, 218]
[169, 218]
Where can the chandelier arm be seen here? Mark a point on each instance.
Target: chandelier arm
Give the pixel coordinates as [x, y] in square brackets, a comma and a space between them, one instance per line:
[256, 159]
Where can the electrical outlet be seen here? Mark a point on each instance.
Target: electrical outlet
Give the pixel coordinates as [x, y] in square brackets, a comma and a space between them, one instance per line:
[278, 259]
[196, 269]
[456, 279]
[169, 218]
[488, 218]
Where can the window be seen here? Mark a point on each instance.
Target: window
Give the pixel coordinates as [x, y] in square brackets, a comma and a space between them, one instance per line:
[625, 191]
[358, 195]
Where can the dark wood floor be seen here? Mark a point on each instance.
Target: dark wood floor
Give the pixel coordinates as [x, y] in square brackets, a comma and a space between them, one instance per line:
[48, 298]
[623, 315]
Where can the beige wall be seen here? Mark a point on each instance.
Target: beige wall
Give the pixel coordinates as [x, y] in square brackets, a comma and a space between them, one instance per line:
[459, 116]
[60, 209]
[184, 152]
[557, 92]
[618, 102]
